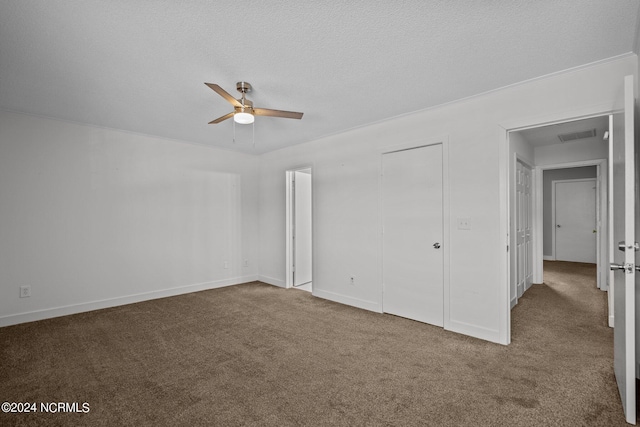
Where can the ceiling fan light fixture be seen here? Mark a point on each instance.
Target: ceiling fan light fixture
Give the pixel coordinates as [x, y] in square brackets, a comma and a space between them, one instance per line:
[243, 118]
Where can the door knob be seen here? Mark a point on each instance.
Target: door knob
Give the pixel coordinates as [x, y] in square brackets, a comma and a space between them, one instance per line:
[623, 246]
[628, 268]
[558, 225]
[436, 245]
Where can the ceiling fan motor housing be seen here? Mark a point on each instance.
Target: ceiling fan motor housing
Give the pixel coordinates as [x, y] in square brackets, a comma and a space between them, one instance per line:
[243, 87]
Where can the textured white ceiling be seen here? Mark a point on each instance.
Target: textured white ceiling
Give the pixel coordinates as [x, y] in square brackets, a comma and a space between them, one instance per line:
[140, 65]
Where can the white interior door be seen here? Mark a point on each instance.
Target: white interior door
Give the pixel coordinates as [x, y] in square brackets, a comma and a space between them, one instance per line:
[302, 227]
[412, 267]
[524, 213]
[623, 156]
[575, 220]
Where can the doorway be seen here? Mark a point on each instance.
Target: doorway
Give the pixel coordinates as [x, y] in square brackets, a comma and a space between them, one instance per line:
[574, 220]
[299, 229]
[554, 152]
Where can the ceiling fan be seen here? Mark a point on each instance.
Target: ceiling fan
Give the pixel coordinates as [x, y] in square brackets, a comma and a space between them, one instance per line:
[243, 110]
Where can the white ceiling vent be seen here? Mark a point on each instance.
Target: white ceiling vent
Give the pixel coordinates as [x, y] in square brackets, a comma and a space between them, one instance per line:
[566, 137]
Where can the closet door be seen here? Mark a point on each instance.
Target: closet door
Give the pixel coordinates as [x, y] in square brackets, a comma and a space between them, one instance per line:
[412, 234]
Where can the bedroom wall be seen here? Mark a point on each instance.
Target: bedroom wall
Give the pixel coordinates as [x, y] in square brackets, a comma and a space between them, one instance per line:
[346, 193]
[94, 217]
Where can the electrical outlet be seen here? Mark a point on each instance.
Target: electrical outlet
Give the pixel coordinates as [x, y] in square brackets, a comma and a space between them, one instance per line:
[226, 264]
[25, 291]
[352, 280]
[464, 223]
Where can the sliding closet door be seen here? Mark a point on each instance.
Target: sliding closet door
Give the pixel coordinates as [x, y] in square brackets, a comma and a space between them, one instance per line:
[412, 234]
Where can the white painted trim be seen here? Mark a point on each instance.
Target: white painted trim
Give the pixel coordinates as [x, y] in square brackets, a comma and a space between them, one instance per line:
[272, 281]
[14, 319]
[514, 302]
[446, 232]
[538, 255]
[602, 227]
[611, 318]
[476, 331]
[446, 256]
[504, 260]
[344, 299]
[288, 275]
[610, 239]
[569, 165]
[537, 227]
[548, 258]
[583, 112]
[414, 143]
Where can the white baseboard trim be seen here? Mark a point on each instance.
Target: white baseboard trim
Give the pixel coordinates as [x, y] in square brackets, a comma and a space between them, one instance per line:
[611, 321]
[514, 301]
[548, 258]
[47, 313]
[347, 300]
[464, 328]
[272, 281]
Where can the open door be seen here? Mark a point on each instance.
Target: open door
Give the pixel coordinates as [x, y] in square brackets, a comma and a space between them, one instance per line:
[623, 258]
[302, 235]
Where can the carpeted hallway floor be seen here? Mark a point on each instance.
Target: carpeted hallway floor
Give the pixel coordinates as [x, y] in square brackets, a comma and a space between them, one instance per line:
[255, 354]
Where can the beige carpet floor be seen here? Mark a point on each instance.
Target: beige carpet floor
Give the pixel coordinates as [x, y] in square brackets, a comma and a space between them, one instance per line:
[255, 354]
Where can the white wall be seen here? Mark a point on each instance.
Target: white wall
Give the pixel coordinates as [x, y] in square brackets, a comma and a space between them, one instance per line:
[346, 193]
[93, 217]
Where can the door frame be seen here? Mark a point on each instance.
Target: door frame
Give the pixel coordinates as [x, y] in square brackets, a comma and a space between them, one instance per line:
[446, 241]
[612, 106]
[602, 226]
[598, 215]
[289, 217]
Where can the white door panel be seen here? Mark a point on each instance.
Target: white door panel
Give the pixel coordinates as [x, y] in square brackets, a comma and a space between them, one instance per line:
[412, 234]
[624, 280]
[524, 213]
[575, 220]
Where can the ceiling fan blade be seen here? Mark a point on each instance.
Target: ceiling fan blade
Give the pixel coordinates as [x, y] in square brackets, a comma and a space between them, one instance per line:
[223, 118]
[223, 93]
[277, 113]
